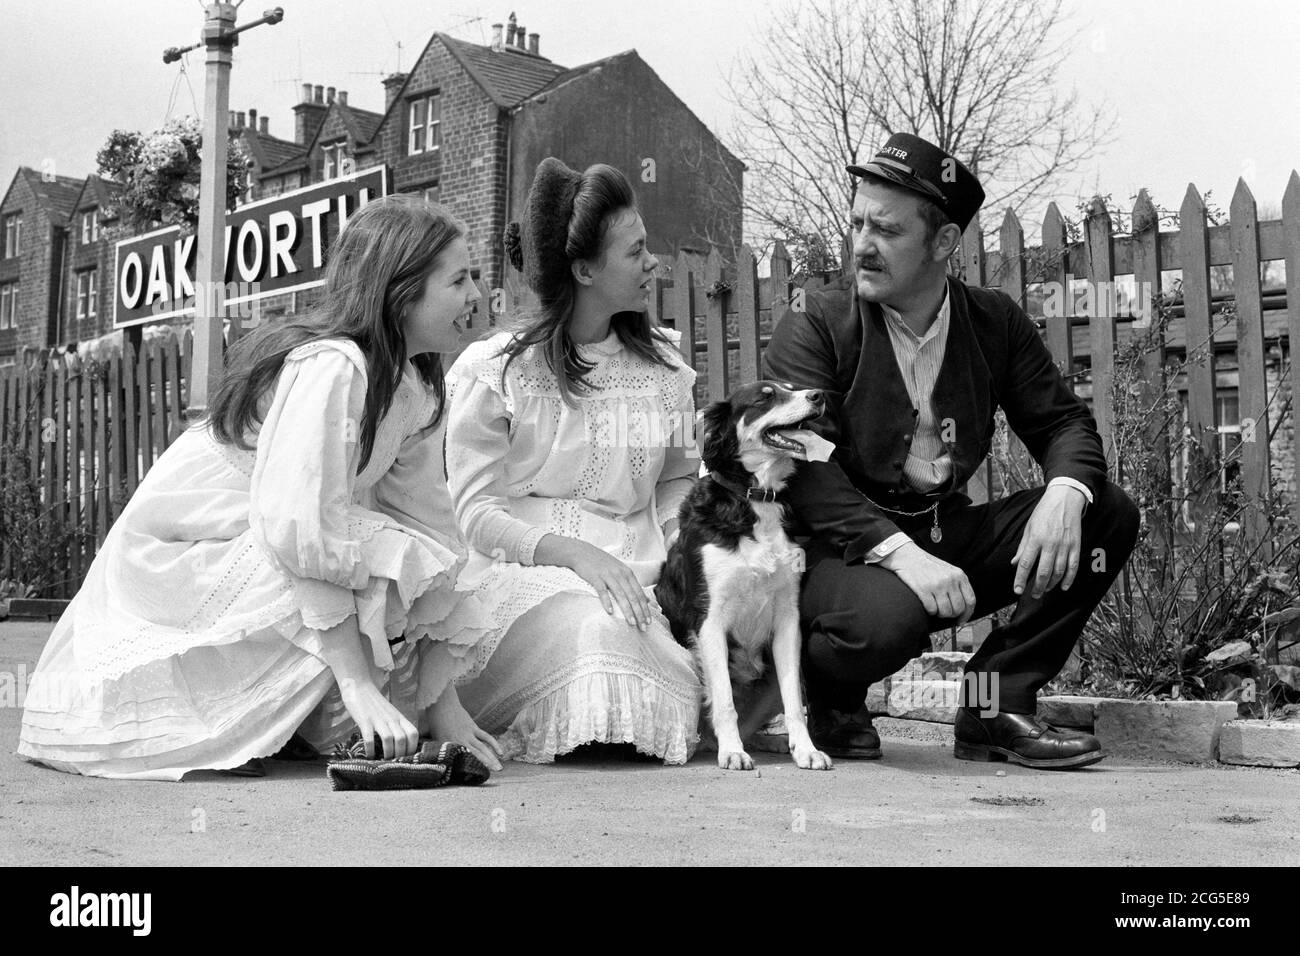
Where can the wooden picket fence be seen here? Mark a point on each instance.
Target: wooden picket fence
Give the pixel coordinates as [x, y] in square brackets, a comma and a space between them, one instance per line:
[727, 314]
[90, 431]
[93, 430]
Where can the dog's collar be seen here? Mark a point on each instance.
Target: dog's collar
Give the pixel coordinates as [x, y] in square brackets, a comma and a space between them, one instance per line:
[752, 493]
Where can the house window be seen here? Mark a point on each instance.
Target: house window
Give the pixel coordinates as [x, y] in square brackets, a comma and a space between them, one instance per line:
[90, 227]
[13, 235]
[1227, 419]
[336, 160]
[426, 124]
[87, 282]
[1227, 414]
[8, 305]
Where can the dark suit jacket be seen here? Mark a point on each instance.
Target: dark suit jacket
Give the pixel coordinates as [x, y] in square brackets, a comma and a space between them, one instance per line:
[994, 357]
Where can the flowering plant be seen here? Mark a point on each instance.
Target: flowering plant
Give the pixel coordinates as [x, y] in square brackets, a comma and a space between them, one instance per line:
[160, 175]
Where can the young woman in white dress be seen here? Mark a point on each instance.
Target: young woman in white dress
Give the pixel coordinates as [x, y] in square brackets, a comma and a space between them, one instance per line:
[293, 555]
[569, 448]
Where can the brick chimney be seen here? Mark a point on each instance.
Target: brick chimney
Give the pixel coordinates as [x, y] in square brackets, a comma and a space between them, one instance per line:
[519, 38]
[533, 40]
[392, 86]
[309, 114]
[343, 97]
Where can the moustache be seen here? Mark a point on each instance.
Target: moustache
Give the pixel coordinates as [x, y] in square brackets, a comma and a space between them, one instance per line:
[871, 264]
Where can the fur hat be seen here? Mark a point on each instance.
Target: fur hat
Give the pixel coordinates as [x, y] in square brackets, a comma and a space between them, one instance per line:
[537, 246]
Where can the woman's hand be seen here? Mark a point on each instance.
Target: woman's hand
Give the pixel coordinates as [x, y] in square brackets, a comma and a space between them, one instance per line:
[375, 714]
[613, 581]
[615, 585]
[449, 721]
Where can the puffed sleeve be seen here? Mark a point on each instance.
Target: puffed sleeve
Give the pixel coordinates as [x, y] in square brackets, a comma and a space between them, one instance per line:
[682, 454]
[306, 459]
[478, 441]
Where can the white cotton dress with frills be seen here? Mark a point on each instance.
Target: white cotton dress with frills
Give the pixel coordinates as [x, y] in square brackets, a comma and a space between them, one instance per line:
[194, 641]
[611, 469]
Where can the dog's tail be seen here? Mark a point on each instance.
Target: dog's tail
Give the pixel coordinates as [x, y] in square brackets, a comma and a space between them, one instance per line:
[673, 594]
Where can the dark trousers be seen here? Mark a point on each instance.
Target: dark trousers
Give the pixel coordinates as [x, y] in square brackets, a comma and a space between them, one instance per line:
[862, 623]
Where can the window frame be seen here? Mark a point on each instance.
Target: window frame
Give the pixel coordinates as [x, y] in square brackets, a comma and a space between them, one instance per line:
[81, 310]
[13, 235]
[334, 153]
[429, 129]
[8, 305]
[90, 226]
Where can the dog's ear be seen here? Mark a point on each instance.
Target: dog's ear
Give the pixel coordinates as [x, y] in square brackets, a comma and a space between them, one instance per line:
[719, 444]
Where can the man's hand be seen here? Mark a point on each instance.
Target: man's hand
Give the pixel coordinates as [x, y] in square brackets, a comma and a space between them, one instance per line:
[941, 587]
[1051, 540]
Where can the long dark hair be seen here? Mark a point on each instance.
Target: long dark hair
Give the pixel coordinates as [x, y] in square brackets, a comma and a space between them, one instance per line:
[603, 194]
[376, 271]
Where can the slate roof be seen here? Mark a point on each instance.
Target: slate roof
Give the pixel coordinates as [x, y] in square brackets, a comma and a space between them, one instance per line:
[508, 77]
[58, 196]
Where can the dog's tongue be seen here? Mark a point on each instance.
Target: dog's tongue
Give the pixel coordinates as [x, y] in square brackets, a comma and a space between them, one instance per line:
[815, 448]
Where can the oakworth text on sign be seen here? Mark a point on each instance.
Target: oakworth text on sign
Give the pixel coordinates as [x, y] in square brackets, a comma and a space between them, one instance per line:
[273, 246]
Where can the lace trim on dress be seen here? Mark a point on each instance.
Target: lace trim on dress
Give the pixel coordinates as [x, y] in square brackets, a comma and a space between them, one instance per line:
[605, 698]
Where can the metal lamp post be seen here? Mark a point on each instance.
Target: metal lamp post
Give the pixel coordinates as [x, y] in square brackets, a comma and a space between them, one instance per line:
[219, 37]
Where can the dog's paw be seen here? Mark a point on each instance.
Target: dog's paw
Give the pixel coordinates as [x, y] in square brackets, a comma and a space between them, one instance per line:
[735, 760]
[810, 758]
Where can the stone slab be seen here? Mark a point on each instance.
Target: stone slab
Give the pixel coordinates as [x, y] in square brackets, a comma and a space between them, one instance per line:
[1261, 743]
[1187, 731]
[934, 700]
[1068, 710]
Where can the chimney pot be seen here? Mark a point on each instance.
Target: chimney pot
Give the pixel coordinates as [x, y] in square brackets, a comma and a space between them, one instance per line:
[496, 37]
[533, 39]
[252, 118]
[239, 119]
[231, 122]
[392, 84]
[343, 97]
[265, 127]
[519, 38]
[511, 30]
[318, 94]
[306, 92]
[329, 94]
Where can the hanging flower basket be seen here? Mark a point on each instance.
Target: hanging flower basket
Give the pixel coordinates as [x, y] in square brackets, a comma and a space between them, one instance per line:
[160, 176]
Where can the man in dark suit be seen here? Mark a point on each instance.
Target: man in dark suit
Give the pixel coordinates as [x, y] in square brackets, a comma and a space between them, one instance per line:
[913, 364]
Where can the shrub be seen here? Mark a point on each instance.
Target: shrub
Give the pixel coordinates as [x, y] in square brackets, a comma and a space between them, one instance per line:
[1198, 613]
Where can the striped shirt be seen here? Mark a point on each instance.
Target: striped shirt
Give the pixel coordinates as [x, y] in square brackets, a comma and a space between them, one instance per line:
[919, 359]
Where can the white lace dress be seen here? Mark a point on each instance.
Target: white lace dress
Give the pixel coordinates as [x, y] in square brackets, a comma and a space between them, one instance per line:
[194, 641]
[559, 671]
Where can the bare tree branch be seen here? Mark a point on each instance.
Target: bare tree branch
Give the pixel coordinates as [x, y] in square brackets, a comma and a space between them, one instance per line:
[828, 79]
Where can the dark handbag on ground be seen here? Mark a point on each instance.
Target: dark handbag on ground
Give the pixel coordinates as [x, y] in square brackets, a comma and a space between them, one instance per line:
[435, 764]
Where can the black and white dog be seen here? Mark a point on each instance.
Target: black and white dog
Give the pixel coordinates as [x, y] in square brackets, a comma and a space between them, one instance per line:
[730, 586]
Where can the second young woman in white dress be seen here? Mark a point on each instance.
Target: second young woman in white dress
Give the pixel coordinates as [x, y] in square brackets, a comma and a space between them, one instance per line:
[569, 448]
